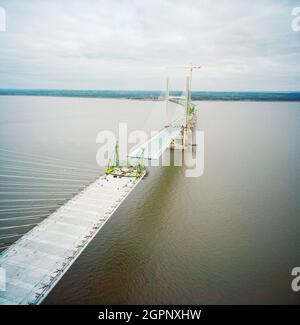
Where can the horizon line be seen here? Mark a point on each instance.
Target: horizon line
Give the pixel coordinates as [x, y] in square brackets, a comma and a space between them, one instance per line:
[147, 90]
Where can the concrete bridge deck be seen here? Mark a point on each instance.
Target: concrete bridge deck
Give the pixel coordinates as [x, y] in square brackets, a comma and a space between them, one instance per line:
[37, 261]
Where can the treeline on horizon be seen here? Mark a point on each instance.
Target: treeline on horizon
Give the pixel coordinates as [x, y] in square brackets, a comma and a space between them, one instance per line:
[156, 95]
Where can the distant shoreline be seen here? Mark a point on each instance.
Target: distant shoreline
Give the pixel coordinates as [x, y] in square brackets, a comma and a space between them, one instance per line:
[158, 95]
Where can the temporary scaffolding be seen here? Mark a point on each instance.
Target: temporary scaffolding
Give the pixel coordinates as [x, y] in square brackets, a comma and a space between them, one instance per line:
[125, 170]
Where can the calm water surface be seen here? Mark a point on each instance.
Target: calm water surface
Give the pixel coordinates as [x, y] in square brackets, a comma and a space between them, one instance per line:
[230, 236]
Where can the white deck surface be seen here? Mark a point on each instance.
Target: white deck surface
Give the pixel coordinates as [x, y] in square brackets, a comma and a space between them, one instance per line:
[37, 261]
[156, 146]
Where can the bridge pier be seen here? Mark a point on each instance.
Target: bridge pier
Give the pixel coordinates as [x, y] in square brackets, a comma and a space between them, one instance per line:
[187, 137]
[194, 130]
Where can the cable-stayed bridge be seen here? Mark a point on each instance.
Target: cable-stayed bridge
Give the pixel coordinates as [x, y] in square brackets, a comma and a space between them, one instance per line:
[35, 263]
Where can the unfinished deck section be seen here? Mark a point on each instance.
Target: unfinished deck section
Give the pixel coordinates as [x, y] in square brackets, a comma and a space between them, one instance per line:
[156, 145]
[37, 261]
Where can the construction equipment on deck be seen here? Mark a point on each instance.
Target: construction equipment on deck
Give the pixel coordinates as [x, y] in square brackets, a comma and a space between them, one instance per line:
[117, 170]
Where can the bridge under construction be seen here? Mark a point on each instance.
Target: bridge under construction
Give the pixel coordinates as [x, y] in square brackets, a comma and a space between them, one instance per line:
[35, 263]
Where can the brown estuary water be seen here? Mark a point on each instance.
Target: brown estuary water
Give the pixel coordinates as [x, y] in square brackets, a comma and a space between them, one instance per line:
[229, 236]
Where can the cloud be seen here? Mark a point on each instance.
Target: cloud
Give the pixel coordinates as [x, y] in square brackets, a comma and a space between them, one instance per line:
[126, 44]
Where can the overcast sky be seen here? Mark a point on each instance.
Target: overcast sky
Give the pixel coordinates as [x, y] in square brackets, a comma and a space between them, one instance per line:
[127, 44]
